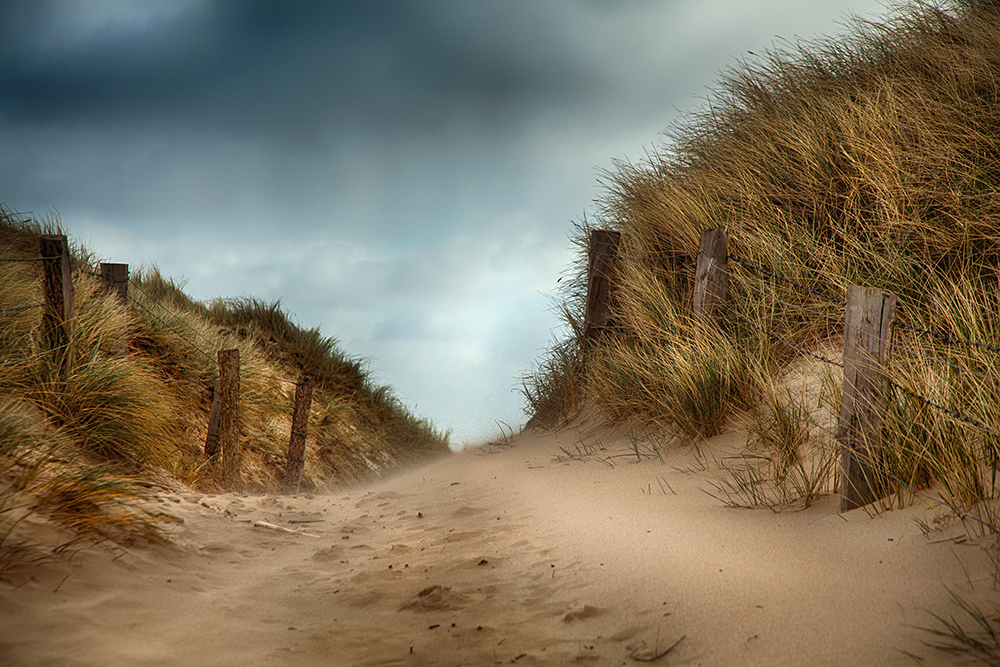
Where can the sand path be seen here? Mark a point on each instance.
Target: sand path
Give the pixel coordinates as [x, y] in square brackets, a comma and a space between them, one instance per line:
[499, 558]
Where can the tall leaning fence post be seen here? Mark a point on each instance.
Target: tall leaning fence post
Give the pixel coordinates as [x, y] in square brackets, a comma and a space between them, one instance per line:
[600, 283]
[57, 285]
[867, 340]
[229, 419]
[711, 277]
[297, 439]
[114, 280]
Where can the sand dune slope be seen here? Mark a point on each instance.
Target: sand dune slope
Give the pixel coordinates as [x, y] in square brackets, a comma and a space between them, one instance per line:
[499, 558]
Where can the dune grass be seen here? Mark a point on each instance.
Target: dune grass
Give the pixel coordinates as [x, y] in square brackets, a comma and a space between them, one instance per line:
[82, 430]
[972, 635]
[872, 160]
[42, 470]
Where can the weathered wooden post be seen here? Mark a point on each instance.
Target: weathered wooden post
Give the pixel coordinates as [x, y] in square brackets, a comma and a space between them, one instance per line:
[57, 284]
[867, 339]
[711, 277]
[297, 439]
[114, 280]
[600, 283]
[229, 419]
[212, 438]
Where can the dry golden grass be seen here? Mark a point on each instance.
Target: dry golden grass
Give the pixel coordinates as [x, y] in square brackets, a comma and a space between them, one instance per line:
[129, 400]
[873, 160]
[41, 470]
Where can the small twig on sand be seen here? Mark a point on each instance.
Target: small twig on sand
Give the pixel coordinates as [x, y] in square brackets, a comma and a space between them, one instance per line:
[271, 526]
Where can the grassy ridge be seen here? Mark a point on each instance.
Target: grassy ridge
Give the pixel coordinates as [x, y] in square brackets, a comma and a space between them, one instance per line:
[873, 160]
[82, 440]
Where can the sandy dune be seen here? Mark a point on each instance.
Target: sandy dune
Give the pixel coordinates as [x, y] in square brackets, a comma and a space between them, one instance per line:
[498, 558]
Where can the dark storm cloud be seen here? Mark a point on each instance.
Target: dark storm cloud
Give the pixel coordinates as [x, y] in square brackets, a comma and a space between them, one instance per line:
[55, 73]
[299, 102]
[263, 68]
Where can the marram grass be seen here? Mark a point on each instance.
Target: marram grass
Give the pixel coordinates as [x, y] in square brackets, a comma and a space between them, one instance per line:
[42, 470]
[128, 403]
[872, 160]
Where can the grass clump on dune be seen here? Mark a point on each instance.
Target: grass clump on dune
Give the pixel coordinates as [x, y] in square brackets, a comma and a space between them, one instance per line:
[84, 431]
[42, 470]
[872, 160]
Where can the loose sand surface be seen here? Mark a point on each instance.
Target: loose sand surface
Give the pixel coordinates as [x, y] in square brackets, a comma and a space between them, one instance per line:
[502, 555]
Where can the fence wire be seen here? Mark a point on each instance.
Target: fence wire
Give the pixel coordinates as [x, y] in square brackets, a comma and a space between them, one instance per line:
[176, 317]
[264, 402]
[912, 489]
[167, 310]
[796, 306]
[763, 271]
[650, 258]
[273, 377]
[923, 399]
[261, 450]
[943, 336]
[940, 335]
[957, 367]
[953, 413]
[179, 334]
[198, 333]
[787, 342]
[931, 332]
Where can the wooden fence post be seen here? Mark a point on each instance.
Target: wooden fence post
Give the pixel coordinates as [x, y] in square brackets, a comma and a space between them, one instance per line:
[114, 280]
[229, 419]
[297, 439]
[600, 283]
[711, 278]
[57, 284]
[867, 339]
[212, 439]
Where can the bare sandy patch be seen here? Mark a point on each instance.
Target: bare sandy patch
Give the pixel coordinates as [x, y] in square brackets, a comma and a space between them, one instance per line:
[518, 555]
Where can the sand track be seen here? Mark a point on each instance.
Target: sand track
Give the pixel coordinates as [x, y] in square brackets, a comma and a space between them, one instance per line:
[499, 558]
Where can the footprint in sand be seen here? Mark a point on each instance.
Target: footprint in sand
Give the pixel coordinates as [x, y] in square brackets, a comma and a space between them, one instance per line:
[216, 549]
[468, 511]
[463, 536]
[351, 529]
[363, 599]
[588, 611]
[435, 598]
[328, 554]
[385, 497]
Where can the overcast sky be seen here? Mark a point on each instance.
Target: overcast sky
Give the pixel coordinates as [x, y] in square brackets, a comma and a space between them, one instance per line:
[403, 175]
